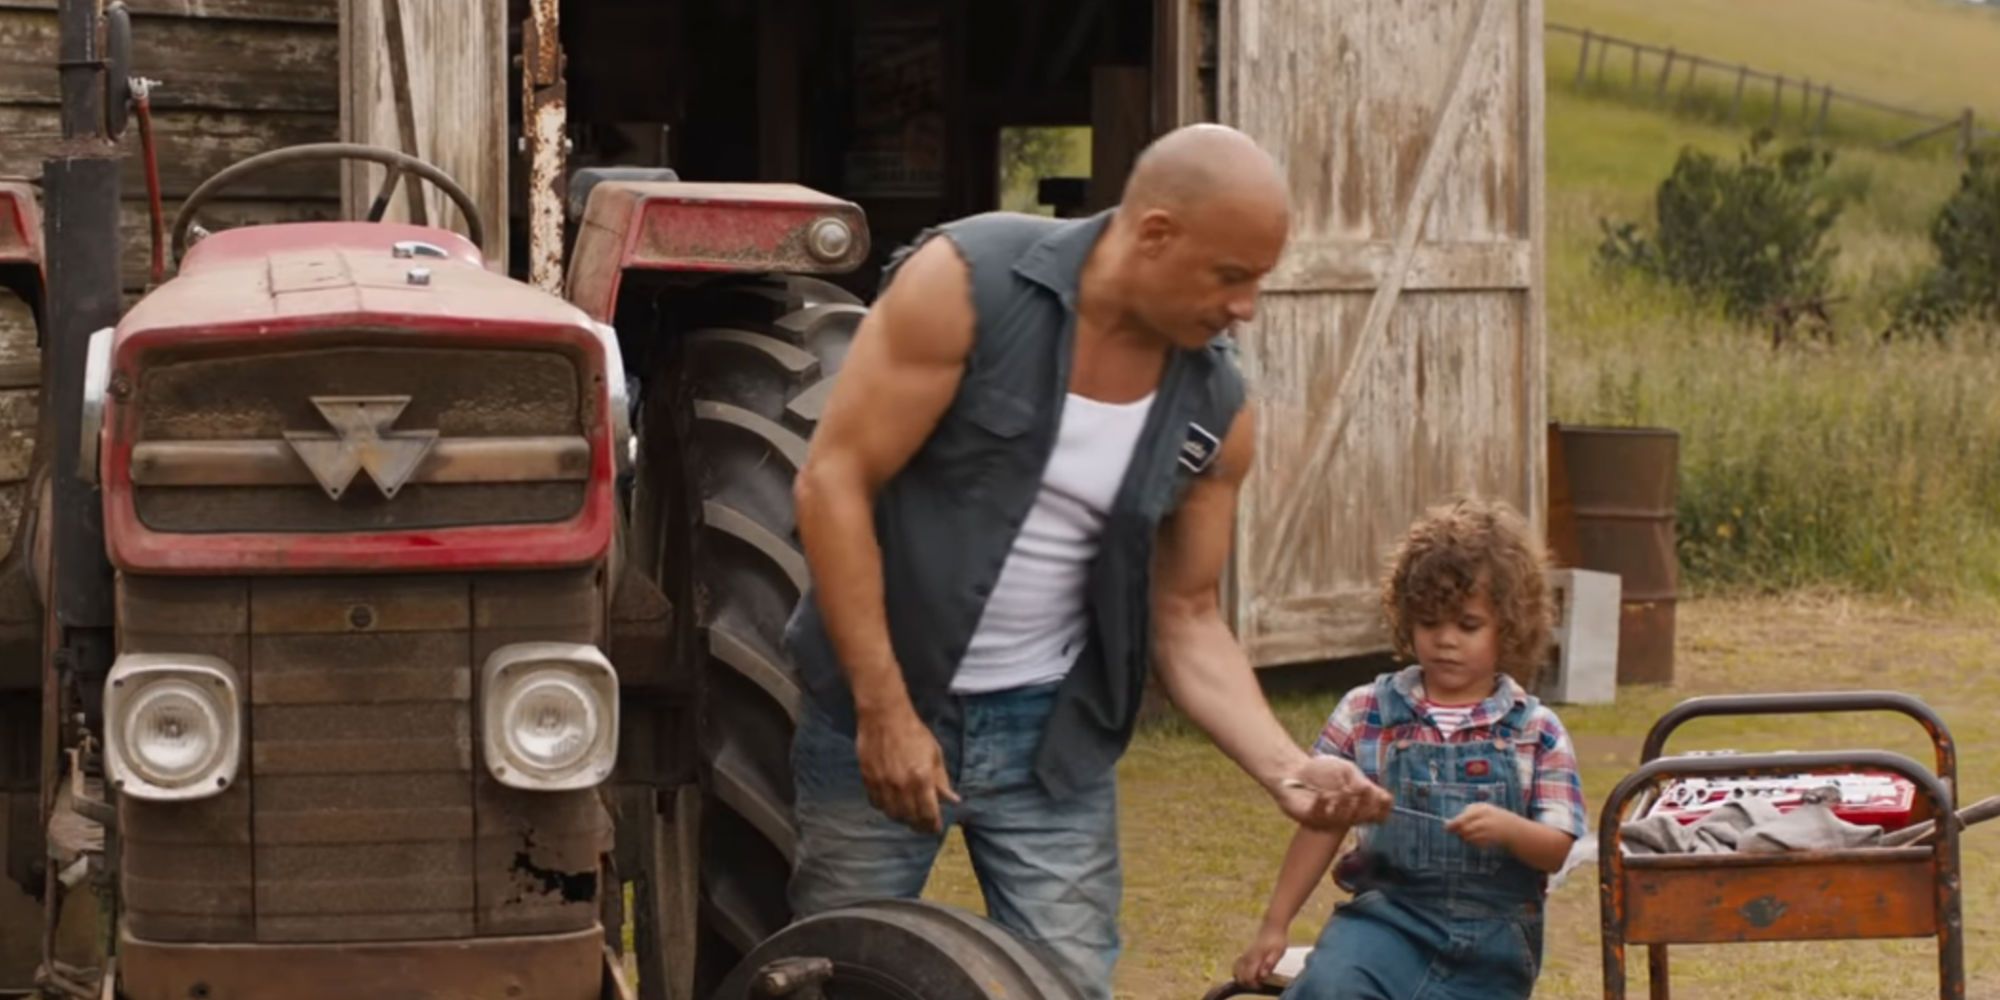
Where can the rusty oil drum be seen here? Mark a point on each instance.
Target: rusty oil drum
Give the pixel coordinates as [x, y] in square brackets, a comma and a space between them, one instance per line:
[1619, 488]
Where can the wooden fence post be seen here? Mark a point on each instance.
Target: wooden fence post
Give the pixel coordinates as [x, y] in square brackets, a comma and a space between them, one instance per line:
[1687, 86]
[1635, 67]
[1736, 103]
[1825, 104]
[1777, 99]
[1666, 71]
[1601, 51]
[1583, 61]
[1805, 99]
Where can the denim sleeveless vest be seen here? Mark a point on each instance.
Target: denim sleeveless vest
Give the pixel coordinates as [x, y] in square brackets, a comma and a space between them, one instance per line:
[948, 520]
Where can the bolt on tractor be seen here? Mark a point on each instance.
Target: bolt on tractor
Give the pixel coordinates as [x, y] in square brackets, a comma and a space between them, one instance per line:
[395, 628]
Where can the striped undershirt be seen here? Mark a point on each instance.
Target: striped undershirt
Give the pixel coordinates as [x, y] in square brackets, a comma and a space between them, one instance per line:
[1448, 718]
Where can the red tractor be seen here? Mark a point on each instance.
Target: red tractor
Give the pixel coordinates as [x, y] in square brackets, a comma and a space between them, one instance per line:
[432, 644]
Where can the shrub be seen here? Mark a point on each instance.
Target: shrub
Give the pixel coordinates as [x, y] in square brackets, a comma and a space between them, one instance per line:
[1752, 235]
[1965, 281]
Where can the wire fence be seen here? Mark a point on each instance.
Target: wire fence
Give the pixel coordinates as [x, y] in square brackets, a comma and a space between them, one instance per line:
[1792, 100]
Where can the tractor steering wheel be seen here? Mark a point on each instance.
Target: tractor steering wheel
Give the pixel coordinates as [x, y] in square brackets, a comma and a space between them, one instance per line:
[398, 163]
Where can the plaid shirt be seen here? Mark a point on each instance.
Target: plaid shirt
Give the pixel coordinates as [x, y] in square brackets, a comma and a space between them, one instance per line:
[1548, 762]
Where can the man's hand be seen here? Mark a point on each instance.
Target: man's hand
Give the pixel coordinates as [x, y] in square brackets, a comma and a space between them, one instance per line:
[903, 768]
[1206, 672]
[1327, 793]
[1483, 824]
[897, 382]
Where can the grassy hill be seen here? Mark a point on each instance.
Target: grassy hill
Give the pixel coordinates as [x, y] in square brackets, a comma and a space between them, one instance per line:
[1925, 53]
[1855, 465]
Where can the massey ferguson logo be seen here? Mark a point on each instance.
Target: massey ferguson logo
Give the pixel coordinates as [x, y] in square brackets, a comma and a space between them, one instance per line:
[361, 439]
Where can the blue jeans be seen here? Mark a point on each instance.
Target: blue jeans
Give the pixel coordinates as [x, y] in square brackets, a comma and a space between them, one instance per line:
[1442, 919]
[1047, 867]
[1381, 947]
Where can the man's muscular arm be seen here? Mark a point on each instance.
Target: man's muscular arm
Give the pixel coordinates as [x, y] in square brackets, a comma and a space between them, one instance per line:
[898, 379]
[1206, 672]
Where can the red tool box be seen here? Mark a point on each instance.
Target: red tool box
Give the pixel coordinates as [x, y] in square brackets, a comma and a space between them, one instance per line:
[1864, 798]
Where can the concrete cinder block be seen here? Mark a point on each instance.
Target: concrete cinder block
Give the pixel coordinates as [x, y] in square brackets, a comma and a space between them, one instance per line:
[1584, 670]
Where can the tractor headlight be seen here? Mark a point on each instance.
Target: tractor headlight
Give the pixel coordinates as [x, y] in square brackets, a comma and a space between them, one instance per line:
[172, 725]
[551, 715]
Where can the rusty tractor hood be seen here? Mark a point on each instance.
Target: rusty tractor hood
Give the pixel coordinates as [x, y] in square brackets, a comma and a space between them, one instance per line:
[324, 274]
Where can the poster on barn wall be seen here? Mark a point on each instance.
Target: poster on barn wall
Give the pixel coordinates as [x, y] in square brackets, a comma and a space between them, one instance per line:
[898, 130]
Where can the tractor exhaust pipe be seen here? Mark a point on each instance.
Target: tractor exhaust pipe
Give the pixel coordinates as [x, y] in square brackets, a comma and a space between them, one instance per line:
[80, 185]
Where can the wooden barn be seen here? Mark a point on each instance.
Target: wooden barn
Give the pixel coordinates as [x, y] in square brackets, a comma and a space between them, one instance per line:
[1398, 356]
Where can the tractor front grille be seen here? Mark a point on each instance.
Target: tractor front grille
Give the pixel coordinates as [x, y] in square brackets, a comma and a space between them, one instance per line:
[464, 394]
[362, 812]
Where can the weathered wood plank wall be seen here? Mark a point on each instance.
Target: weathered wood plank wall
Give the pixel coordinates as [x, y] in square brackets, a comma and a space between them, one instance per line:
[236, 77]
[1397, 357]
[455, 54]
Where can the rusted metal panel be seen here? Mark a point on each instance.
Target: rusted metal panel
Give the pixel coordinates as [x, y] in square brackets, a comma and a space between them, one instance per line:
[186, 868]
[539, 856]
[339, 605]
[545, 140]
[677, 226]
[545, 967]
[408, 891]
[373, 819]
[454, 57]
[362, 743]
[1396, 356]
[565, 606]
[1704, 899]
[538, 852]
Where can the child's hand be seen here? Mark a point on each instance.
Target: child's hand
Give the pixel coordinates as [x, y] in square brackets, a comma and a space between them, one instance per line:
[1483, 824]
[1257, 961]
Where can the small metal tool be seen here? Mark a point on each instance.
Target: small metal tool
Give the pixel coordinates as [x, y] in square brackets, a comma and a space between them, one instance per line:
[1405, 810]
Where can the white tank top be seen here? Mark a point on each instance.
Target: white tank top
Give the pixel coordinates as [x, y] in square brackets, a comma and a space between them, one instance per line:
[1036, 620]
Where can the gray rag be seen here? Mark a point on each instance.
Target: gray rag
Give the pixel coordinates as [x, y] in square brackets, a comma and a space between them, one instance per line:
[1750, 826]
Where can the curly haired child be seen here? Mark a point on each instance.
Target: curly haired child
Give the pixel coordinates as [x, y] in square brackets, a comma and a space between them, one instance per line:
[1448, 891]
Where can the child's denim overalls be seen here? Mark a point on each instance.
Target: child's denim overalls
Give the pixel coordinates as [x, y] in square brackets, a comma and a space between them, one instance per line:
[1441, 919]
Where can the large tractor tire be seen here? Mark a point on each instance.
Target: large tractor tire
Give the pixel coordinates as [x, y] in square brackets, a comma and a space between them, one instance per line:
[901, 950]
[737, 399]
[21, 841]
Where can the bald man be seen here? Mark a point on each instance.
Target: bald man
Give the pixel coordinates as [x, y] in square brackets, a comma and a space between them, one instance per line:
[1020, 499]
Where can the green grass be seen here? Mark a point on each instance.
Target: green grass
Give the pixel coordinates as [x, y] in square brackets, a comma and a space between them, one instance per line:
[1202, 845]
[1931, 55]
[1853, 464]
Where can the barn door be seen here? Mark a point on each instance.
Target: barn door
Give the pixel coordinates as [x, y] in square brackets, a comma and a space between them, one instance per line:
[428, 78]
[1397, 355]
